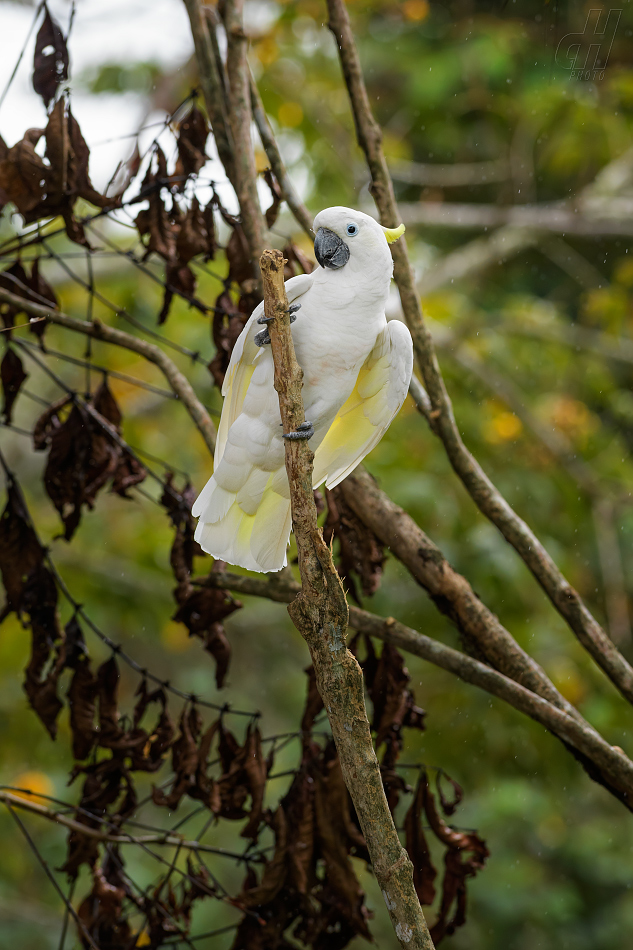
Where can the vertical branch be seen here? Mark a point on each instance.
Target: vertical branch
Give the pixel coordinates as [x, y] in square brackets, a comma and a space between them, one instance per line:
[212, 85]
[613, 580]
[320, 613]
[486, 496]
[240, 120]
[292, 199]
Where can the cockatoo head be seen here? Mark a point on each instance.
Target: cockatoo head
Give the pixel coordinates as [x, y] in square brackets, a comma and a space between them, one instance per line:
[344, 237]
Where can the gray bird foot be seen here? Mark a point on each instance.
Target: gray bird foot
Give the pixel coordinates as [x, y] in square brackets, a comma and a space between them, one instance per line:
[304, 431]
[263, 337]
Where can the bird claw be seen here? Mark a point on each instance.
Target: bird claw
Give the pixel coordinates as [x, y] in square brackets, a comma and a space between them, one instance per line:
[263, 337]
[292, 310]
[304, 432]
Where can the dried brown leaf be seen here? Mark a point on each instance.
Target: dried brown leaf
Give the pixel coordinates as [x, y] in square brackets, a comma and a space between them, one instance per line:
[24, 175]
[47, 660]
[82, 702]
[12, 376]
[417, 848]
[50, 63]
[20, 551]
[193, 132]
[360, 551]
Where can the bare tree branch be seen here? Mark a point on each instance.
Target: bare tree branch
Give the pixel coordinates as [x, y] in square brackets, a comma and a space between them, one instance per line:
[483, 633]
[476, 255]
[320, 613]
[613, 580]
[489, 500]
[100, 331]
[612, 218]
[292, 199]
[60, 818]
[240, 120]
[457, 175]
[603, 762]
[212, 86]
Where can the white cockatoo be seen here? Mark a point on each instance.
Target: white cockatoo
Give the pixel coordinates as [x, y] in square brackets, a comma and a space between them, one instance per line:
[357, 369]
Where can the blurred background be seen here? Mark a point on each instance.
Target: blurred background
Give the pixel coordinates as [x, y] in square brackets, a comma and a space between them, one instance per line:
[535, 343]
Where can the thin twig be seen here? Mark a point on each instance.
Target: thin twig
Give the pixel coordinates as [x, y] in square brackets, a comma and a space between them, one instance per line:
[267, 136]
[51, 877]
[167, 839]
[100, 331]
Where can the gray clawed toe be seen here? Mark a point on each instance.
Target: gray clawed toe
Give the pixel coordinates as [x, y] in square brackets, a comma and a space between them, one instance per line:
[263, 337]
[304, 431]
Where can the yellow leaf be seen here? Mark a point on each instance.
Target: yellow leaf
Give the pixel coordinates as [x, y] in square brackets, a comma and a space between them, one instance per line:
[290, 114]
[416, 10]
[503, 427]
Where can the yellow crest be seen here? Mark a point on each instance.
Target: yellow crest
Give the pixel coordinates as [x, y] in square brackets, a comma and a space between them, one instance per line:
[392, 234]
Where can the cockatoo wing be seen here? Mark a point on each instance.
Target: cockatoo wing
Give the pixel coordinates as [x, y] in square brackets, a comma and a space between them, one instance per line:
[243, 361]
[362, 420]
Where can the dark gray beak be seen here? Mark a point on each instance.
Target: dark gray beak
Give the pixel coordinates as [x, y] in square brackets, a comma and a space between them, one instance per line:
[329, 249]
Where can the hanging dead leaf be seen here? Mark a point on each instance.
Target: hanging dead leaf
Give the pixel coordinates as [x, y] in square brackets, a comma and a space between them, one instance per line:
[360, 551]
[12, 376]
[24, 175]
[81, 699]
[424, 873]
[193, 238]
[50, 63]
[179, 279]
[228, 323]
[47, 660]
[124, 175]
[20, 550]
[193, 132]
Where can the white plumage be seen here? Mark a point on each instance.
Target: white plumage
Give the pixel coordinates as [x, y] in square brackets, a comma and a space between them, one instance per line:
[357, 369]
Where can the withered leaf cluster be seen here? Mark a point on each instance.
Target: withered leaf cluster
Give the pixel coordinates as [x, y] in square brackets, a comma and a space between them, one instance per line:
[243, 771]
[108, 792]
[165, 909]
[387, 683]
[31, 592]
[360, 553]
[201, 609]
[50, 186]
[309, 886]
[465, 855]
[174, 234]
[84, 454]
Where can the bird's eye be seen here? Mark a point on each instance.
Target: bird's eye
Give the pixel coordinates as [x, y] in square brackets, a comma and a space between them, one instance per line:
[352, 229]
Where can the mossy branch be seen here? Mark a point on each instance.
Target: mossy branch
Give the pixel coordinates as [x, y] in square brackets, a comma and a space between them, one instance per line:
[320, 613]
